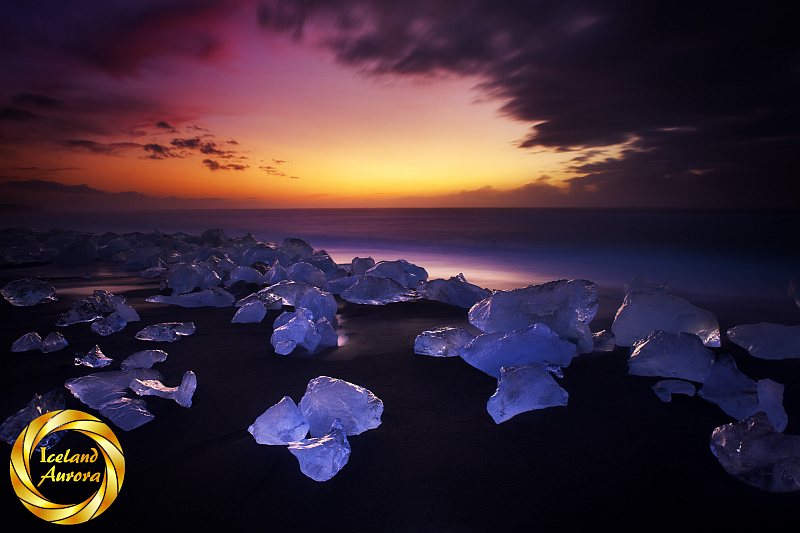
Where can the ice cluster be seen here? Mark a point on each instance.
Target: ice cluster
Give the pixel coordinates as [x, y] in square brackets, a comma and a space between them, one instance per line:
[330, 410]
[109, 313]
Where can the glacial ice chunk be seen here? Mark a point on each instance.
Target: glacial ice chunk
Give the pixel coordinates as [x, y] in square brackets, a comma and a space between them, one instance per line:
[321, 458]
[642, 313]
[360, 265]
[299, 329]
[184, 278]
[143, 359]
[442, 342]
[97, 305]
[536, 344]
[246, 274]
[296, 249]
[603, 341]
[166, 331]
[339, 285]
[565, 306]
[665, 388]
[754, 452]
[406, 274]
[182, 394]
[27, 292]
[740, 397]
[671, 355]
[319, 302]
[270, 301]
[29, 341]
[275, 274]
[215, 297]
[768, 341]
[327, 399]
[250, 313]
[370, 290]
[94, 358]
[454, 291]
[113, 323]
[39, 405]
[309, 274]
[106, 392]
[53, 342]
[524, 388]
[126, 312]
[282, 423]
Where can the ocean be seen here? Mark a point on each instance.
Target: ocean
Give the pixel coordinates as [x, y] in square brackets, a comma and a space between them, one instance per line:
[744, 254]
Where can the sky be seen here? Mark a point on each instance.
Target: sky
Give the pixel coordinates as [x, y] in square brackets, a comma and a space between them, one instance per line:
[420, 103]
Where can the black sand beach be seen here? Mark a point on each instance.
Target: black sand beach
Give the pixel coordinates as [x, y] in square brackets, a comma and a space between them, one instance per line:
[615, 457]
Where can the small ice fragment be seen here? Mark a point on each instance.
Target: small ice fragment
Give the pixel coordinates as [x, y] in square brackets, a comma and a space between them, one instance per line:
[370, 290]
[671, 355]
[39, 405]
[754, 452]
[442, 342]
[53, 342]
[645, 311]
[454, 291]
[27, 292]
[280, 424]
[603, 341]
[106, 392]
[182, 394]
[565, 306]
[665, 388]
[113, 323]
[768, 341]
[29, 341]
[143, 359]
[166, 331]
[740, 397]
[321, 458]
[524, 388]
[404, 273]
[537, 344]
[94, 358]
[214, 297]
[327, 399]
[250, 313]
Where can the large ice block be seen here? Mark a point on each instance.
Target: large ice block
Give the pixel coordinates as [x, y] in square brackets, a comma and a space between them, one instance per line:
[183, 278]
[270, 300]
[39, 405]
[536, 344]
[321, 458]
[642, 313]
[246, 274]
[299, 329]
[319, 302]
[327, 399]
[182, 394]
[442, 342]
[252, 312]
[106, 392]
[166, 331]
[768, 341]
[665, 388]
[94, 358]
[565, 306]
[296, 249]
[524, 388]
[740, 397]
[360, 265]
[27, 292]
[215, 297]
[27, 342]
[404, 273]
[371, 290]
[309, 274]
[280, 424]
[671, 355]
[454, 291]
[143, 359]
[754, 452]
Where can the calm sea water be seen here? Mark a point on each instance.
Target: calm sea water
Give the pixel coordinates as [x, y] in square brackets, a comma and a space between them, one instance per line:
[744, 254]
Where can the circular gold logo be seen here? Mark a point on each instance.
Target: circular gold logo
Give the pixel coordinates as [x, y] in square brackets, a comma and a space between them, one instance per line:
[110, 483]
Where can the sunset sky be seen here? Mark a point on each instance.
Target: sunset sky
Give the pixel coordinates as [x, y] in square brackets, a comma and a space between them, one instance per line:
[364, 103]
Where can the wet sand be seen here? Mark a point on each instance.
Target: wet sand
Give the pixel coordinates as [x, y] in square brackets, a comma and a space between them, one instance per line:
[616, 456]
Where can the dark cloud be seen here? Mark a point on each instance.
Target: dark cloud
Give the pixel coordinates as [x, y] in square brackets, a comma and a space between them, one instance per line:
[100, 148]
[158, 151]
[37, 100]
[14, 114]
[164, 125]
[214, 165]
[687, 87]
